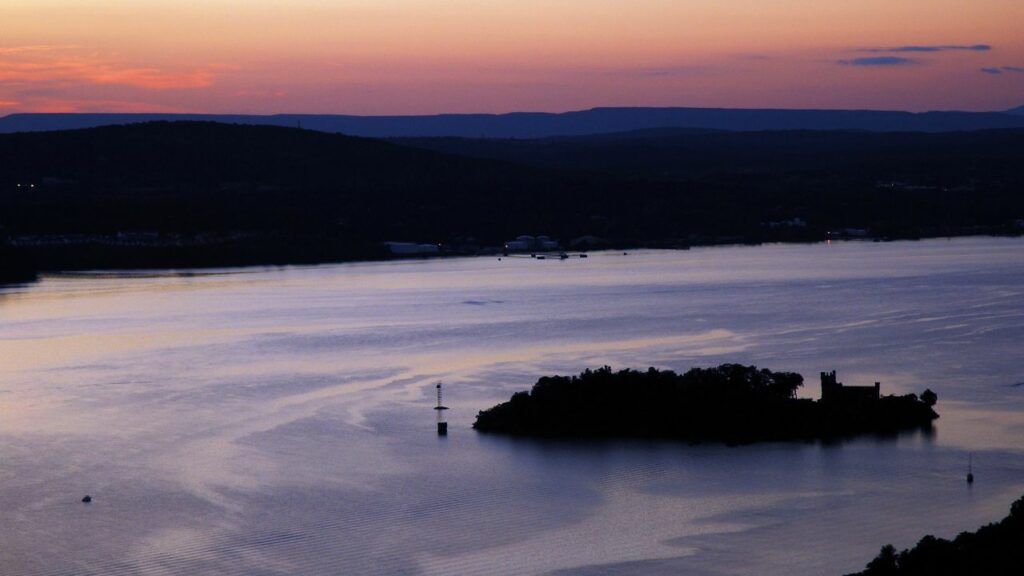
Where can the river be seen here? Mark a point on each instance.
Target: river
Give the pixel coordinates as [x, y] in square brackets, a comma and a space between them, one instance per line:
[278, 420]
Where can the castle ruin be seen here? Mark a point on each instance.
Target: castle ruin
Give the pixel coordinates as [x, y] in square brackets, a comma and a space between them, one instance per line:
[835, 392]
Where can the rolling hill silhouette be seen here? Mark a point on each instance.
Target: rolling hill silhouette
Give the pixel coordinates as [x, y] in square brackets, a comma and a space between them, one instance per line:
[201, 193]
[539, 125]
[291, 195]
[945, 158]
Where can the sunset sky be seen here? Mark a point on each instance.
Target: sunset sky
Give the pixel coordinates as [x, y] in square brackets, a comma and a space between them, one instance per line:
[429, 56]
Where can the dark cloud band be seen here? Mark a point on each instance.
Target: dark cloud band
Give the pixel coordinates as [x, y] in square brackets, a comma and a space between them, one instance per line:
[879, 61]
[930, 48]
[997, 70]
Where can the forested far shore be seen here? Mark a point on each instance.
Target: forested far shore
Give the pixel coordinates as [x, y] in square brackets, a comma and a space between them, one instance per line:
[183, 194]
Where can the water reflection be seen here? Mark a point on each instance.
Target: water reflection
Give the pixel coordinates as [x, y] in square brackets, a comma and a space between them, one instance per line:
[275, 421]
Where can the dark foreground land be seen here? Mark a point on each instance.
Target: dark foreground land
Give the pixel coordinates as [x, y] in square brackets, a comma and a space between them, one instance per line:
[731, 403]
[187, 194]
[15, 267]
[994, 550]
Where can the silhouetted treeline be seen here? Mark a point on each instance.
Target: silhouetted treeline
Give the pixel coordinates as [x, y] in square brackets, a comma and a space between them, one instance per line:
[681, 154]
[208, 194]
[15, 266]
[731, 403]
[994, 550]
[212, 194]
[895, 185]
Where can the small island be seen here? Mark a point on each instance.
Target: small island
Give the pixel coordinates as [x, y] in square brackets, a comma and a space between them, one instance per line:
[730, 403]
[993, 550]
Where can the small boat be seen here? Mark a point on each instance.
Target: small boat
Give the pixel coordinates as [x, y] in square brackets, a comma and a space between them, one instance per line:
[583, 256]
[87, 499]
[541, 257]
[970, 469]
[563, 256]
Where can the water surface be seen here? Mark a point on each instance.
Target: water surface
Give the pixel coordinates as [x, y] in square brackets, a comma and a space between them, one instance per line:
[278, 421]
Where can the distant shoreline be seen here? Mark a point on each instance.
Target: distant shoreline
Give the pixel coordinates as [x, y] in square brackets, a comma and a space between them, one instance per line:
[141, 258]
[202, 194]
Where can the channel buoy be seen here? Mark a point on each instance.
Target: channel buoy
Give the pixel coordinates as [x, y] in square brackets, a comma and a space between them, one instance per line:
[442, 424]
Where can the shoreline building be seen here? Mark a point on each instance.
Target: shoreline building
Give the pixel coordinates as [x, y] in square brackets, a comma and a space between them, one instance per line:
[407, 248]
[527, 243]
[834, 391]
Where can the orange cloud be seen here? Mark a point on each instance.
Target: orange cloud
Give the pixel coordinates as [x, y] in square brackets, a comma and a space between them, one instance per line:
[149, 78]
[71, 105]
[51, 64]
[8, 50]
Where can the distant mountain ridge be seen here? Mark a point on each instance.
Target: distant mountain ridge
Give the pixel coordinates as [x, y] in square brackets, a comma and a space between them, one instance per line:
[1018, 111]
[578, 123]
